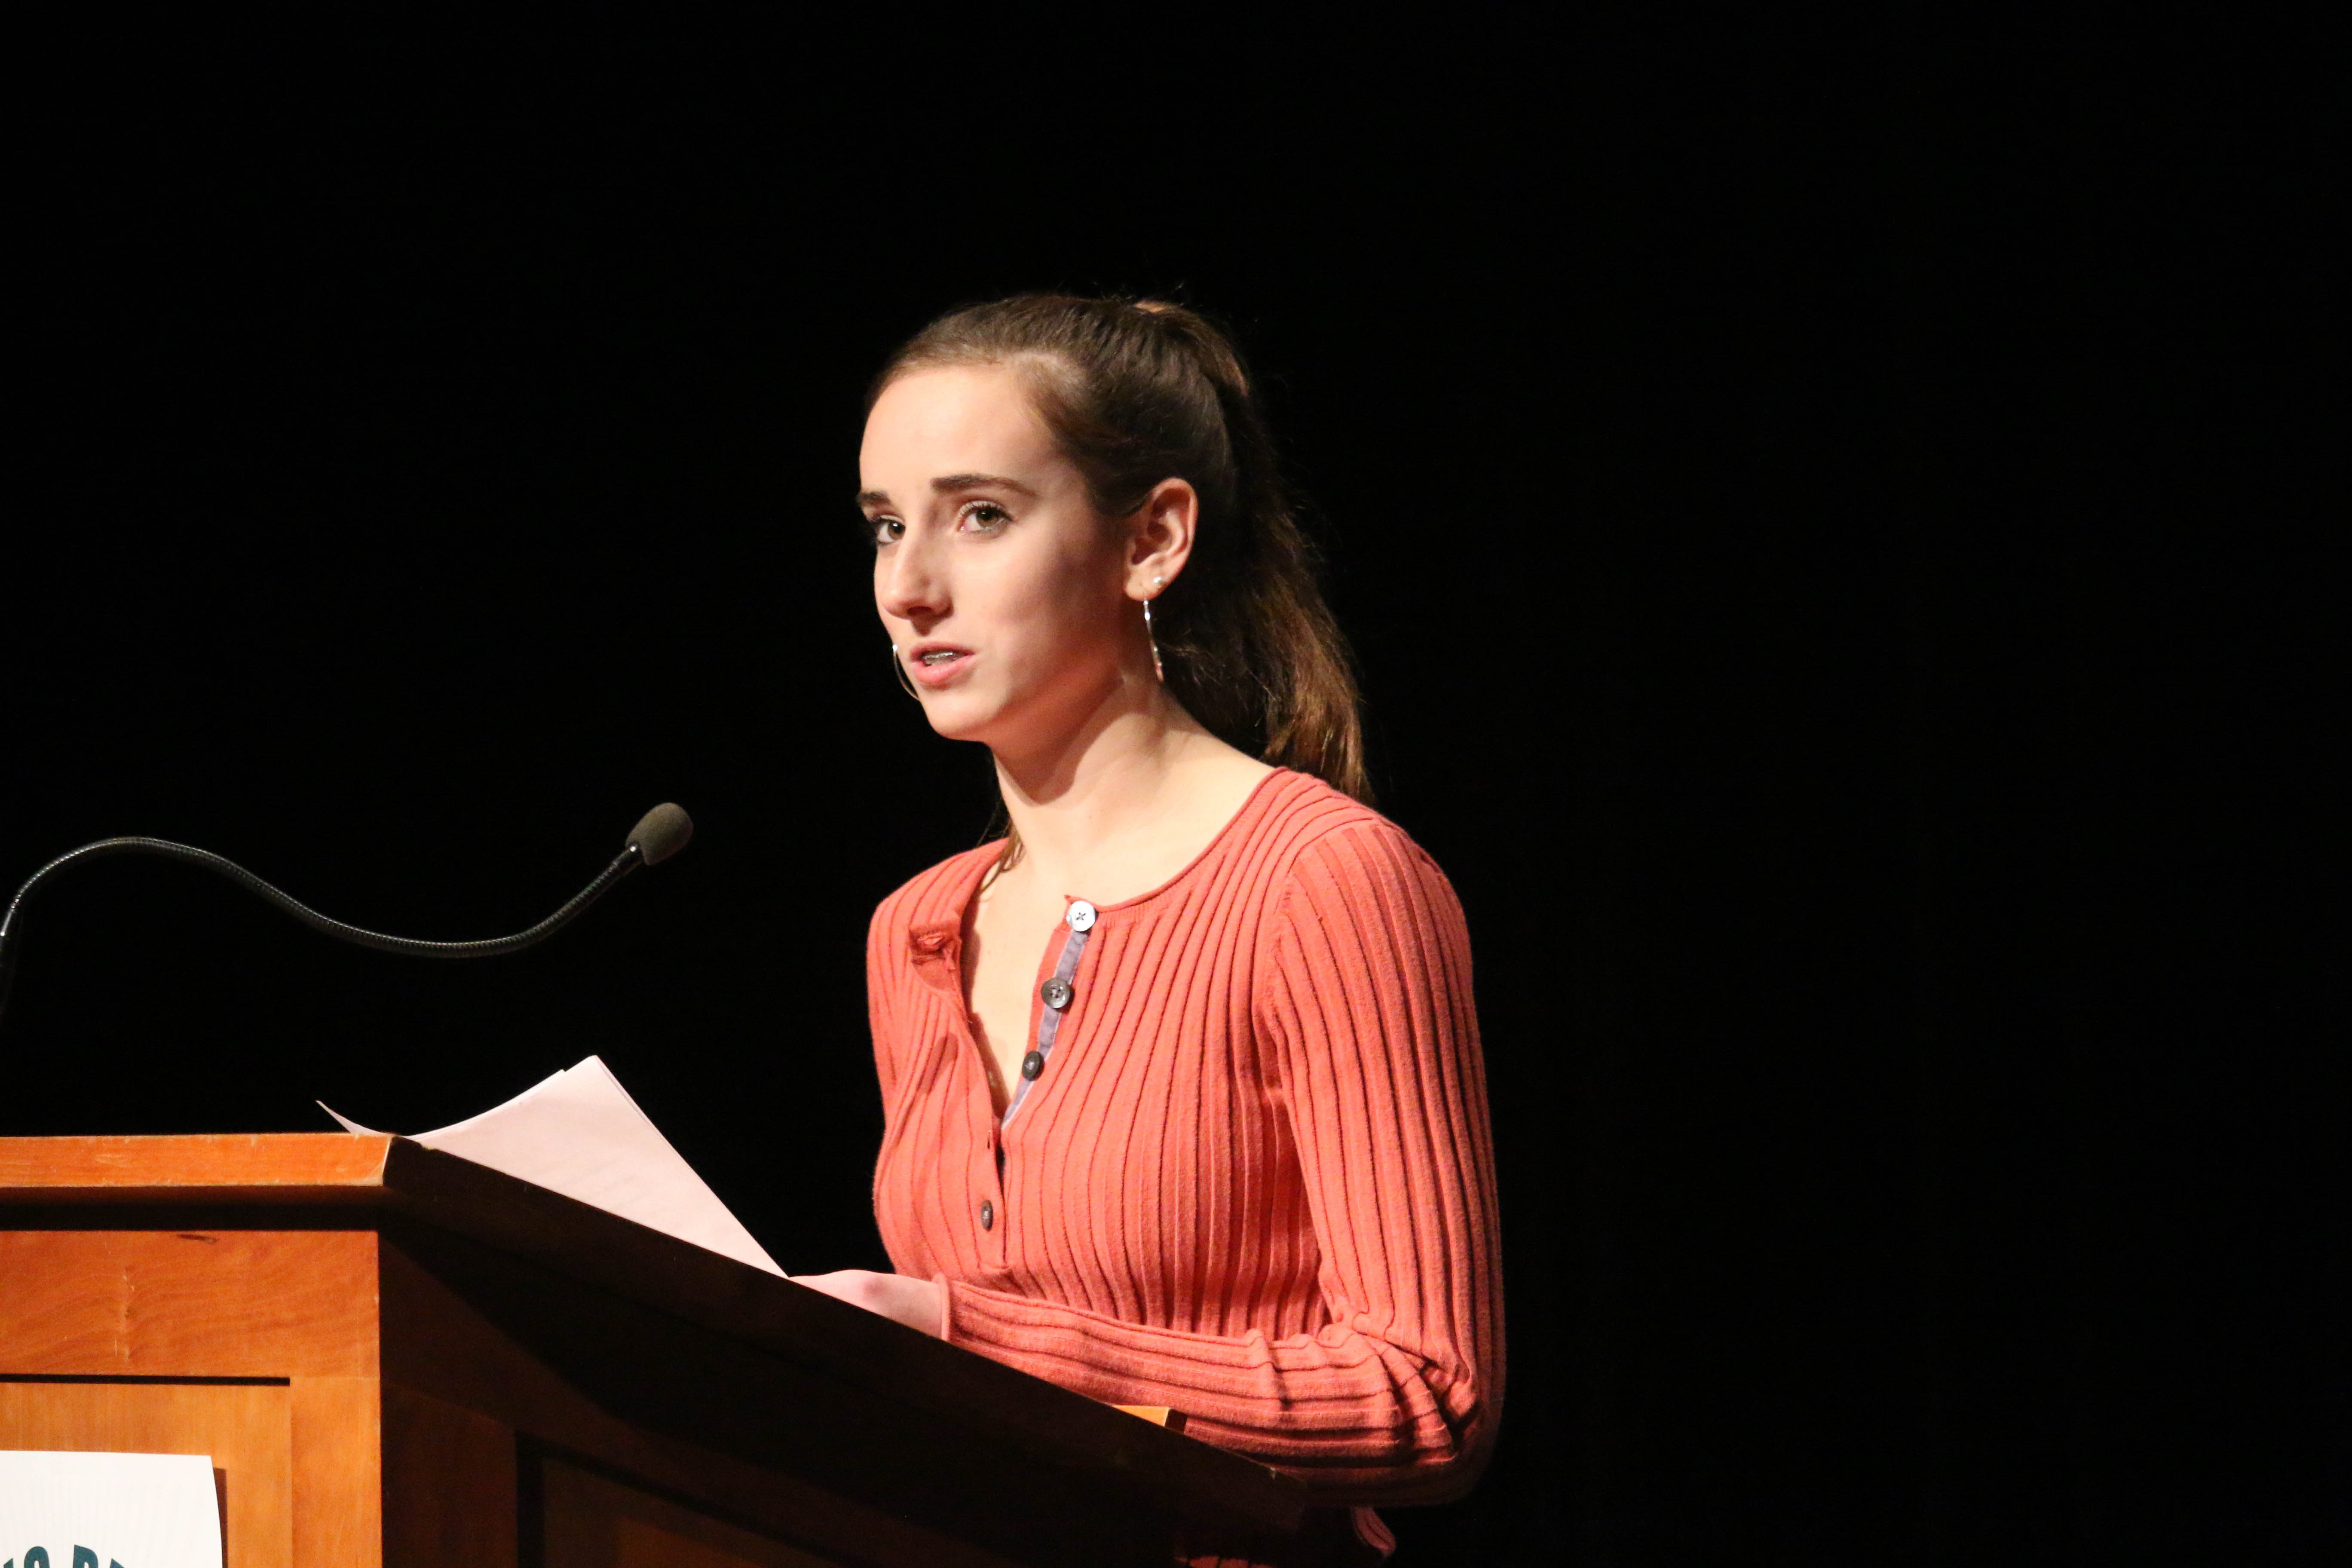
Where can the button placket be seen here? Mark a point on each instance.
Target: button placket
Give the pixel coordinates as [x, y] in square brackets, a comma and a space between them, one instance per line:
[1057, 992]
[938, 953]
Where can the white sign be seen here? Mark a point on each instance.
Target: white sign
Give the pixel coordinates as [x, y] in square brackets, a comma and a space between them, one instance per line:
[108, 1510]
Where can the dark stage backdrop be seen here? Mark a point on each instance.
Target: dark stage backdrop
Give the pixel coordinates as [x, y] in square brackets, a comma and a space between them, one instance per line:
[1751, 470]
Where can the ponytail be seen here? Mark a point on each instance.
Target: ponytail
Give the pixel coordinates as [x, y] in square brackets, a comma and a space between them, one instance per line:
[1138, 392]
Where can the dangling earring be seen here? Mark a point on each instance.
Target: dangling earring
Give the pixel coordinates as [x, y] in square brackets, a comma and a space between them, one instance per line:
[1157, 674]
[900, 666]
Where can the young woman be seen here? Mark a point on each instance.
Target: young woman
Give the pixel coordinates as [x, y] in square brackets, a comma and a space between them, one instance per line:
[1183, 1095]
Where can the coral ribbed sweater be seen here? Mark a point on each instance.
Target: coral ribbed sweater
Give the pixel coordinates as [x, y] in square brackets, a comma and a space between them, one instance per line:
[1255, 1180]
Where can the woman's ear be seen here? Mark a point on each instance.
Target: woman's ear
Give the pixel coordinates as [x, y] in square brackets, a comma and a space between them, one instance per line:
[1162, 538]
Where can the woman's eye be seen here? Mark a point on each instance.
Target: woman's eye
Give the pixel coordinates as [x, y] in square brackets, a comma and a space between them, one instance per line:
[886, 530]
[986, 516]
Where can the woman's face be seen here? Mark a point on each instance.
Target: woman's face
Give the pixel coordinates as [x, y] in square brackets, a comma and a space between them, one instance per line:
[1009, 597]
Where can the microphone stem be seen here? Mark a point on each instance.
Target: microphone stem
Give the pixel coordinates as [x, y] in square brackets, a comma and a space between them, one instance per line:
[10, 925]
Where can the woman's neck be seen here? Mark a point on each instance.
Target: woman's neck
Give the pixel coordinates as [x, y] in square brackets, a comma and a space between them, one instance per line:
[1128, 797]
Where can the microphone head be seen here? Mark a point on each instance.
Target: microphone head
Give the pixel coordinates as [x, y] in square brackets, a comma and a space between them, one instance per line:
[660, 833]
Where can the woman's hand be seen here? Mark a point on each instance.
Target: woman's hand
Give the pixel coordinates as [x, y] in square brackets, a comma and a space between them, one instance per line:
[918, 1303]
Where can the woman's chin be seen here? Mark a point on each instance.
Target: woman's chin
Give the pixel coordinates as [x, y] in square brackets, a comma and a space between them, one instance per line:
[957, 714]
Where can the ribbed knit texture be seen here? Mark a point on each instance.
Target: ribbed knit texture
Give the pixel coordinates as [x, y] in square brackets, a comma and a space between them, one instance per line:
[1255, 1181]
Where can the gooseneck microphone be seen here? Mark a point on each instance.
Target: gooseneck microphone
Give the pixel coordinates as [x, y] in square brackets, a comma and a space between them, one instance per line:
[658, 835]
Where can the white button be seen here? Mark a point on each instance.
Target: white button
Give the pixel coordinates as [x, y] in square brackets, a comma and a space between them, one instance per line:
[1081, 916]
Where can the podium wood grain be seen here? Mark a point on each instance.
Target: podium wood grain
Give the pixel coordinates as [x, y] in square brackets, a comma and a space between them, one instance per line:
[214, 1303]
[460, 1363]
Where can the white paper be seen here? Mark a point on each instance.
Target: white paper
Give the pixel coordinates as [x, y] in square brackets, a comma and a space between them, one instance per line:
[579, 1133]
[122, 1511]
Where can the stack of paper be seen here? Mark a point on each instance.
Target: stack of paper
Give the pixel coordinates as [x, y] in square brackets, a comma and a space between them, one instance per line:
[579, 1133]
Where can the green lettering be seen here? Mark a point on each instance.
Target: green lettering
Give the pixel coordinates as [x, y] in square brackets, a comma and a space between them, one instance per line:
[85, 1558]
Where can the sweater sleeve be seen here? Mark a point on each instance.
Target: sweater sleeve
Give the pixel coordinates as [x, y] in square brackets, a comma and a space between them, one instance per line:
[879, 992]
[1363, 997]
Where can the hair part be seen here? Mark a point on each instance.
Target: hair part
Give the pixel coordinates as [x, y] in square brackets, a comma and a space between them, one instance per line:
[1138, 391]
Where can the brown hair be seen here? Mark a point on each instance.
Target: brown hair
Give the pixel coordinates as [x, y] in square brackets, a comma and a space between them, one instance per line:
[1139, 391]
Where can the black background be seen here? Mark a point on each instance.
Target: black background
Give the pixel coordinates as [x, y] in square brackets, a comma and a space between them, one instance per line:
[1829, 523]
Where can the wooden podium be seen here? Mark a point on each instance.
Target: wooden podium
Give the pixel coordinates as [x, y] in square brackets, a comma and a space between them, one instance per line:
[397, 1357]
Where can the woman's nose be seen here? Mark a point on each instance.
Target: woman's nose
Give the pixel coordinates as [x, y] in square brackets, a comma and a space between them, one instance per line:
[909, 585]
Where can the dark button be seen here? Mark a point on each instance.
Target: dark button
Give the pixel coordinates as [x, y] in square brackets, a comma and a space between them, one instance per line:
[1057, 993]
[1032, 1064]
[987, 1214]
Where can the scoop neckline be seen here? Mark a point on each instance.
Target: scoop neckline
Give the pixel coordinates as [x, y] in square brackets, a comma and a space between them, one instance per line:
[1216, 840]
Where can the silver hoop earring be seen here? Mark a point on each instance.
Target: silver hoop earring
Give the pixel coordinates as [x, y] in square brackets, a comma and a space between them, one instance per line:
[900, 666]
[1157, 674]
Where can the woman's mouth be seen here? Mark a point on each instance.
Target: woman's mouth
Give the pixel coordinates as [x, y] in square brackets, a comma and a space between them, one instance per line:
[937, 664]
